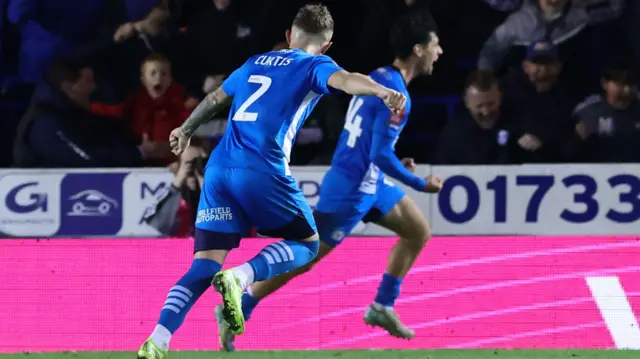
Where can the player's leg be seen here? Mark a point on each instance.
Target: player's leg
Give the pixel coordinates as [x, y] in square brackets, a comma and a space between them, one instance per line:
[214, 236]
[401, 215]
[180, 299]
[408, 222]
[332, 227]
[277, 208]
[259, 290]
[231, 283]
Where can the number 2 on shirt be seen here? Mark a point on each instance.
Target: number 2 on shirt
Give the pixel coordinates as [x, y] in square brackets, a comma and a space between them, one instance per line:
[242, 114]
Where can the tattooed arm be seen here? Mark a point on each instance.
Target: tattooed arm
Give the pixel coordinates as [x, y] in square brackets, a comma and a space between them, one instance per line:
[212, 104]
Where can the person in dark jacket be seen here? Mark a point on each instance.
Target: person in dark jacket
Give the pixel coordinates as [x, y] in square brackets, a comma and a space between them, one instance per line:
[130, 31]
[481, 132]
[543, 104]
[559, 22]
[58, 130]
[608, 124]
[217, 41]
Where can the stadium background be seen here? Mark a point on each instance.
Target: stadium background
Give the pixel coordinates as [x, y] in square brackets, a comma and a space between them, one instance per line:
[524, 255]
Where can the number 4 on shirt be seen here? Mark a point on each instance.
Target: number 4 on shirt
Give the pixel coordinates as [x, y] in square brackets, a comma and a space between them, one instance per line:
[353, 121]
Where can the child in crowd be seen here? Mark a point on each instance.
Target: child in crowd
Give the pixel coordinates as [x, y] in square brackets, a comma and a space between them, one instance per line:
[154, 109]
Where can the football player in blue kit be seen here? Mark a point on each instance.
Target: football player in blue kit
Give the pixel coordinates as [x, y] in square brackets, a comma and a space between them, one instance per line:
[247, 180]
[355, 188]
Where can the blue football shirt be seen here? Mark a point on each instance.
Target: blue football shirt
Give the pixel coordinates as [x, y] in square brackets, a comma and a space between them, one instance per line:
[370, 127]
[273, 94]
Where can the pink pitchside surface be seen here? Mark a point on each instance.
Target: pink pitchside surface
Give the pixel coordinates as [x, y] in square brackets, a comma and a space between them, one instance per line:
[464, 292]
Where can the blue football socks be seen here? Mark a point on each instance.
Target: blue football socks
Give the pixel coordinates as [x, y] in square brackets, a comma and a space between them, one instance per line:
[388, 291]
[181, 298]
[281, 257]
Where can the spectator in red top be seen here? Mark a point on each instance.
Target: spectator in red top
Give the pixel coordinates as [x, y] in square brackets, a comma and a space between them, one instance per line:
[156, 108]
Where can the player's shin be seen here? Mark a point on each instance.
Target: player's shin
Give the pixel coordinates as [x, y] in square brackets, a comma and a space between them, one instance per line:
[275, 259]
[406, 220]
[381, 312]
[401, 259]
[260, 290]
[181, 298]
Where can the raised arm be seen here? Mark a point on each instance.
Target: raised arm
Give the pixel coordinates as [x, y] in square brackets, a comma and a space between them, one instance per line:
[356, 84]
[360, 85]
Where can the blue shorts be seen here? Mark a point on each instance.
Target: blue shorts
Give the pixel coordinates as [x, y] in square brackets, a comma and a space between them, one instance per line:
[235, 199]
[337, 213]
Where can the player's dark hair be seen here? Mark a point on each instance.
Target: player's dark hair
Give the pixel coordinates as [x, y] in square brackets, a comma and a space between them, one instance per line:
[620, 72]
[409, 30]
[314, 19]
[482, 80]
[64, 70]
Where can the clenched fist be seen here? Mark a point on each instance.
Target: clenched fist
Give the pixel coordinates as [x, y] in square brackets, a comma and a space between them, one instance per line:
[178, 141]
[434, 184]
[394, 100]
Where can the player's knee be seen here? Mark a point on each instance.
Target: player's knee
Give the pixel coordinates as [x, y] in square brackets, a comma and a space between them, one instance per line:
[307, 267]
[205, 267]
[423, 237]
[314, 247]
[215, 255]
[314, 238]
[418, 234]
[423, 234]
[409, 223]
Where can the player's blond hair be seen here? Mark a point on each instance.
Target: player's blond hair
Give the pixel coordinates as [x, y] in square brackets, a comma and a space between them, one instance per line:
[314, 20]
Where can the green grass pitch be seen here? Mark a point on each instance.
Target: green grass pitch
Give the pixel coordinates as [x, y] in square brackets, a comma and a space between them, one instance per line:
[372, 354]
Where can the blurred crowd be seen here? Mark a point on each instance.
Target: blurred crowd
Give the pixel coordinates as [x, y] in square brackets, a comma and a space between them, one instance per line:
[101, 83]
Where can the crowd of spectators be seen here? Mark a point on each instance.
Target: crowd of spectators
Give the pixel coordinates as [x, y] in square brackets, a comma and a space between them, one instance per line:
[101, 83]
